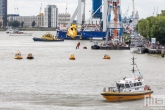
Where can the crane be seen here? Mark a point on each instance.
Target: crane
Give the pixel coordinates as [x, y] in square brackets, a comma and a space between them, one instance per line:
[154, 11]
[40, 14]
[66, 14]
[66, 8]
[17, 10]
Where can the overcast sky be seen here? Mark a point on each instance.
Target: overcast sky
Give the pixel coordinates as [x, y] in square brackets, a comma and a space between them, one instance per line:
[32, 7]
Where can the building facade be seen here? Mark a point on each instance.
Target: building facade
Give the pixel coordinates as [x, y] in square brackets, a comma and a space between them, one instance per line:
[28, 20]
[51, 16]
[3, 12]
[63, 19]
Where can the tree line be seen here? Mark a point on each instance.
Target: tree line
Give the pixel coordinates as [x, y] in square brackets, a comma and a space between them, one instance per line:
[153, 27]
[18, 24]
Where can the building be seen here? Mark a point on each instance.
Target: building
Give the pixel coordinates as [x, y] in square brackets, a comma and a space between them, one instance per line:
[3, 11]
[63, 19]
[27, 20]
[51, 16]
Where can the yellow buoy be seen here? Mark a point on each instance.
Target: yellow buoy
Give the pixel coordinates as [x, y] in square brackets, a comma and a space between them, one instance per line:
[72, 57]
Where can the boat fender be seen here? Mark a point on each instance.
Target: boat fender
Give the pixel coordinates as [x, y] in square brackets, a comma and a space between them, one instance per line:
[145, 87]
[149, 88]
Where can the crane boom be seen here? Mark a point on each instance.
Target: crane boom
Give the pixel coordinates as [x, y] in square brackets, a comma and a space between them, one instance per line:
[40, 8]
[17, 10]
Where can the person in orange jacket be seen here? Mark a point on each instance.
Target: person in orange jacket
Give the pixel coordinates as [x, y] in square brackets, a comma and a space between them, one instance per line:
[77, 47]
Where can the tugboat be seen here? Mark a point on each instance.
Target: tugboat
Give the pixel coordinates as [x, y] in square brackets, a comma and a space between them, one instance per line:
[95, 46]
[106, 57]
[30, 56]
[48, 37]
[18, 55]
[128, 89]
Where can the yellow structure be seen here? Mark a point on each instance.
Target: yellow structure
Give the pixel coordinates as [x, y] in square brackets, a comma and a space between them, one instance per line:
[18, 55]
[72, 31]
[106, 57]
[30, 56]
[49, 36]
[72, 57]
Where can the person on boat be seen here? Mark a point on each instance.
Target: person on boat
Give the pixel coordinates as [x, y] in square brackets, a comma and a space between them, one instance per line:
[77, 47]
[118, 86]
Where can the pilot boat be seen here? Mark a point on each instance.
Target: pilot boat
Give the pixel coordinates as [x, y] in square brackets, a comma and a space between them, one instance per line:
[131, 88]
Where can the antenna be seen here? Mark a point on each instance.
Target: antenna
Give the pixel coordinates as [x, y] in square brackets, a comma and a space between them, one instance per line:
[133, 61]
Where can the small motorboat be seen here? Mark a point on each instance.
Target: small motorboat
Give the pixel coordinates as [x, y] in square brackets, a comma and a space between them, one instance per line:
[18, 55]
[30, 56]
[106, 57]
[72, 57]
[132, 88]
[95, 46]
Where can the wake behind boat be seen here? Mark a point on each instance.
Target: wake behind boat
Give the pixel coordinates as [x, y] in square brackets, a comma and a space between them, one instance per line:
[48, 37]
[128, 89]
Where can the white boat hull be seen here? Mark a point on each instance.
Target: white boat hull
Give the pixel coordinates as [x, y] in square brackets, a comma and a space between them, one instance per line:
[137, 50]
[25, 34]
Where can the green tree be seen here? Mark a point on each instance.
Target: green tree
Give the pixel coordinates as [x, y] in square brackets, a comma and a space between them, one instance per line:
[16, 24]
[22, 23]
[153, 27]
[10, 23]
[33, 23]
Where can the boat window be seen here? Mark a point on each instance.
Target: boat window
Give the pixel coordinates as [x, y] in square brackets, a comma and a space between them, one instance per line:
[127, 85]
[122, 85]
[131, 84]
[138, 84]
[134, 84]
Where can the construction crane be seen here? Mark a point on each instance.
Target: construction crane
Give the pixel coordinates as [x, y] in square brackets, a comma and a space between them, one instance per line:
[40, 14]
[66, 14]
[17, 10]
[154, 11]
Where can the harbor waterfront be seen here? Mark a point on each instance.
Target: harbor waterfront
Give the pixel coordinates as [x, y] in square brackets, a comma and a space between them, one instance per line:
[52, 81]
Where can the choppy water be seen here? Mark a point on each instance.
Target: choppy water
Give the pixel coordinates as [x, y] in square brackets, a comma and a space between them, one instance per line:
[52, 81]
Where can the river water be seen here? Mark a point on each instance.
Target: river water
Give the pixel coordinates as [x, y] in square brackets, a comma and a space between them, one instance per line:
[51, 81]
